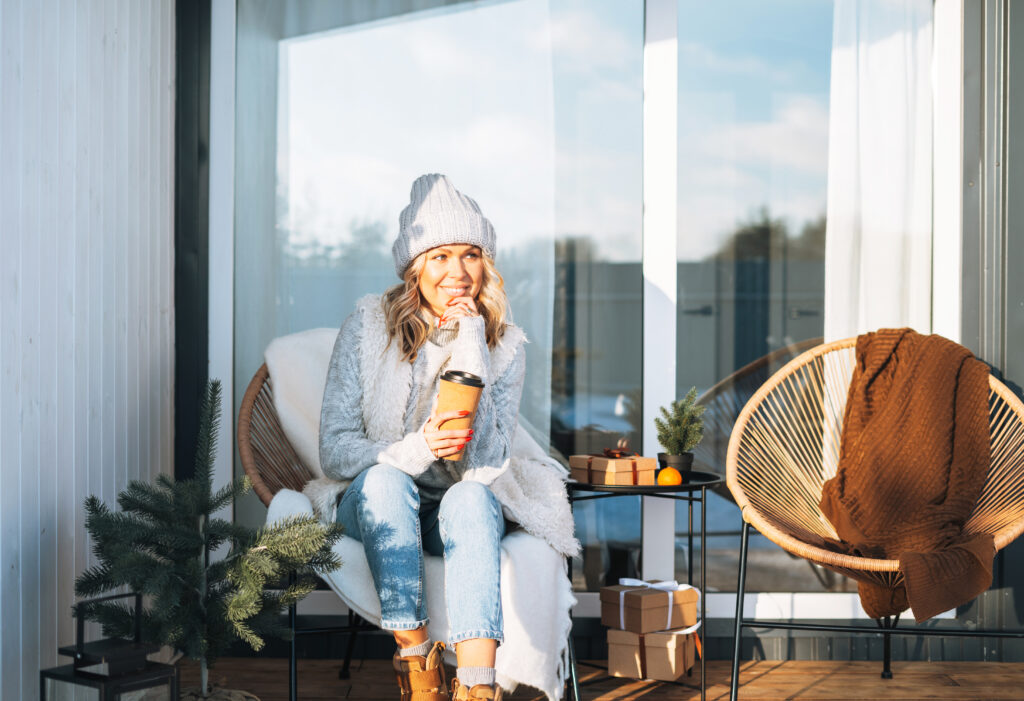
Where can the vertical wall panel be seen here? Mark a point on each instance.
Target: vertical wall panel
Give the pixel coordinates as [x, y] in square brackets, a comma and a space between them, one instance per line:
[30, 340]
[86, 298]
[65, 470]
[48, 274]
[10, 341]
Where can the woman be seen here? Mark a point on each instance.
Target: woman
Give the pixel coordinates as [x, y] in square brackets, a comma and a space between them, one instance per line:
[383, 441]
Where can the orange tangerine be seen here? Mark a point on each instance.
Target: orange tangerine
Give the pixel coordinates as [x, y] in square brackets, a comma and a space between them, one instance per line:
[669, 475]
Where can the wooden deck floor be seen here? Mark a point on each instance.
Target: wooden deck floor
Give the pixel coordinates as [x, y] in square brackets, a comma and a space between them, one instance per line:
[764, 681]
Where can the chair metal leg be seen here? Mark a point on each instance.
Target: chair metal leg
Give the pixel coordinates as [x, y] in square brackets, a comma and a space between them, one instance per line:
[738, 631]
[353, 620]
[293, 673]
[887, 655]
[887, 623]
[574, 677]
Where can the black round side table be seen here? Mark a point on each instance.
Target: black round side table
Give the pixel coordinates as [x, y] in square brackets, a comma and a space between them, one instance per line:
[693, 482]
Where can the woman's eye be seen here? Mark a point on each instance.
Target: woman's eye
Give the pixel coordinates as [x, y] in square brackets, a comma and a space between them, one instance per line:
[440, 256]
[472, 255]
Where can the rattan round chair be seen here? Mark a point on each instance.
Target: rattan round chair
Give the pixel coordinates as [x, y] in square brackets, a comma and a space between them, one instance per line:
[272, 464]
[785, 445]
[267, 457]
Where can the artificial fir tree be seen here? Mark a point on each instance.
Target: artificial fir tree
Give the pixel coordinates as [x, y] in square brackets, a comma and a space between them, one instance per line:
[680, 430]
[161, 543]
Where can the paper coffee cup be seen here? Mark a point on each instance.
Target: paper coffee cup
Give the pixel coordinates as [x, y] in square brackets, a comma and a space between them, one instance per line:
[460, 391]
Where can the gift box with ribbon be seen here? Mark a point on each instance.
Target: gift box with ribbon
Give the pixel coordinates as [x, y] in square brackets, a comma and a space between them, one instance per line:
[665, 656]
[644, 607]
[617, 467]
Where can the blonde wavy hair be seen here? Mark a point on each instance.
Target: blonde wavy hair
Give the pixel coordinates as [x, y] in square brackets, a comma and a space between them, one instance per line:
[402, 302]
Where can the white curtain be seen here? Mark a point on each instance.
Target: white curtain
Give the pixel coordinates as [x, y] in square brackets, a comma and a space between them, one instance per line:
[878, 240]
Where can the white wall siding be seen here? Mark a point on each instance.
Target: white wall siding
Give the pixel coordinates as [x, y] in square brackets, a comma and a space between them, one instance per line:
[86, 294]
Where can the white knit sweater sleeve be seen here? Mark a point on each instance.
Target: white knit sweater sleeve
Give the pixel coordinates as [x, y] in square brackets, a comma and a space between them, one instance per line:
[345, 449]
[488, 454]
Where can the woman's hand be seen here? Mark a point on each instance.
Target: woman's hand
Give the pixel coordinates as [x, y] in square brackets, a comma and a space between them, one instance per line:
[458, 307]
[443, 443]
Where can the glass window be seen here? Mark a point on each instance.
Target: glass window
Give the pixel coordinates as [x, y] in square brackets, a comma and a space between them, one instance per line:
[533, 108]
[753, 166]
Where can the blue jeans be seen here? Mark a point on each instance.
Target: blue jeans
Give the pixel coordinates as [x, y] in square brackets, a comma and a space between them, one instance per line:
[381, 508]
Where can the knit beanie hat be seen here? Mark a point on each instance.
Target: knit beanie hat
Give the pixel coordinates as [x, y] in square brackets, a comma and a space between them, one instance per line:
[438, 214]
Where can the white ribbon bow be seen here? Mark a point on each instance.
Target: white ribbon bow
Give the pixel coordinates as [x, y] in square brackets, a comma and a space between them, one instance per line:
[668, 586]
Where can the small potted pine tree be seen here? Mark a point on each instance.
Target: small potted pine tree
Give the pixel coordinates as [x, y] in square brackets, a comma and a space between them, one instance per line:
[164, 543]
[680, 429]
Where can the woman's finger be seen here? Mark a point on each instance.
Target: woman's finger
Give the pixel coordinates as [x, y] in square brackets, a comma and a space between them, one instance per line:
[459, 307]
[435, 443]
[444, 452]
[449, 415]
[461, 433]
[469, 302]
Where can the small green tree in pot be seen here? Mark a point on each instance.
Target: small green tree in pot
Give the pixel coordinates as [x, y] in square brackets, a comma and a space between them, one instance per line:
[163, 542]
[680, 429]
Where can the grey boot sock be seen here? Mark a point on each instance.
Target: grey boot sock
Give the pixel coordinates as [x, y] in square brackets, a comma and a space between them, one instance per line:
[471, 676]
[422, 649]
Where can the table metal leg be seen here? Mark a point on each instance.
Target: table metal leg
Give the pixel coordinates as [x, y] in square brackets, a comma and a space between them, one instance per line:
[703, 630]
[689, 542]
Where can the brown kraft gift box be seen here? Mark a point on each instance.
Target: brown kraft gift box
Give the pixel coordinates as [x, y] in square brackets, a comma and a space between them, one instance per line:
[665, 656]
[618, 471]
[645, 609]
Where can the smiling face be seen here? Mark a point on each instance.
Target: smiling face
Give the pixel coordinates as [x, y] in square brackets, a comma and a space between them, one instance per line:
[451, 271]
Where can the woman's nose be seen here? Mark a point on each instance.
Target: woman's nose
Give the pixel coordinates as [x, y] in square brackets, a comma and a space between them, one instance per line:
[456, 268]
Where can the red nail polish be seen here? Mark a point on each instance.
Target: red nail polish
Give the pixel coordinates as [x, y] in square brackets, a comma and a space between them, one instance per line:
[464, 413]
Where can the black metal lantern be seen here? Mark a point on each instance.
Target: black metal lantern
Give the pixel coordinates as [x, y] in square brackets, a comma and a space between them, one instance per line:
[127, 666]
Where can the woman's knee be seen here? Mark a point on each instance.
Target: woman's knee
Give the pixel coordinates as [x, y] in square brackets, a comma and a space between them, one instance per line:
[384, 484]
[470, 502]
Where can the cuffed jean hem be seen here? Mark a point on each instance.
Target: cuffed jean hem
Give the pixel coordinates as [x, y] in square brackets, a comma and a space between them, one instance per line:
[399, 625]
[470, 634]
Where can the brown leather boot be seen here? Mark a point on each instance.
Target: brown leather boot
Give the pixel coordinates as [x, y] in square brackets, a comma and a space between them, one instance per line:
[483, 692]
[421, 678]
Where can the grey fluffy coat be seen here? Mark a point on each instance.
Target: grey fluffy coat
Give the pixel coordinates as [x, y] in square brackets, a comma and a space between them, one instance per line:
[365, 421]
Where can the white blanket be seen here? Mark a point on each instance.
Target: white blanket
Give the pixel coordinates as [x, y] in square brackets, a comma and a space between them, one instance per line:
[535, 592]
[535, 600]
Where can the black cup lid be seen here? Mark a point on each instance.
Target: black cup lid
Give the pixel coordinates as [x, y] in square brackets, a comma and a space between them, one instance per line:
[461, 377]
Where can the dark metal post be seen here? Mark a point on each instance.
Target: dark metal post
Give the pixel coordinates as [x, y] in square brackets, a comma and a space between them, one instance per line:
[138, 618]
[738, 632]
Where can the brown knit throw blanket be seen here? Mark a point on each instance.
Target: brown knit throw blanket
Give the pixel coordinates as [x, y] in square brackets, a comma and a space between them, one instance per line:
[912, 463]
